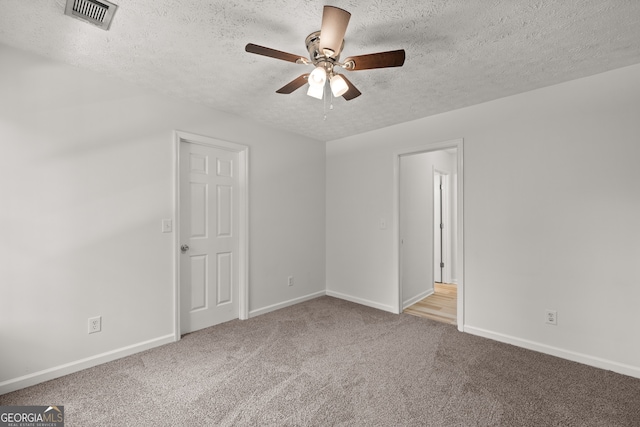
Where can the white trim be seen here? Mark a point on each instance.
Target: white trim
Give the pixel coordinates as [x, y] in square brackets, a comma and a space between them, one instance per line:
[460, 250]
[597, 362]
[243, 250]
[176, 236]
[79, 365]
[437, 146]
[361, 301]
[278, 306]
[417, 298]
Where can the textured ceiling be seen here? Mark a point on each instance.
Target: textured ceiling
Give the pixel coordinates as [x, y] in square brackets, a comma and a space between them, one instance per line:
[459, 52]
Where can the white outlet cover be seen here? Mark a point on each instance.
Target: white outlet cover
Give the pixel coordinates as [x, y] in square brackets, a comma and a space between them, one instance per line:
[95, 324]
[551, 317]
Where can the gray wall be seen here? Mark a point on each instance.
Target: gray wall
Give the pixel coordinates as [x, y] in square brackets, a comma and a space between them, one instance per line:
[551, 208]
[86, 176]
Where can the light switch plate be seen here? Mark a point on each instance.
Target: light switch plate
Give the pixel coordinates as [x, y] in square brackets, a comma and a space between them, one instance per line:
[167, 226]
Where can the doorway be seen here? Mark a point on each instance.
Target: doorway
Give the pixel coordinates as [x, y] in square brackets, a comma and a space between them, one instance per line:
[422, 259]
[211, 240]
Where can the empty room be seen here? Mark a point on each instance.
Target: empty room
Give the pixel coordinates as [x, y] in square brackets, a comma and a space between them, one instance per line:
[221, 212]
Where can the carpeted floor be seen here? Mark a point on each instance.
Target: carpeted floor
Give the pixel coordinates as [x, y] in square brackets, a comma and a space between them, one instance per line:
[331, 362]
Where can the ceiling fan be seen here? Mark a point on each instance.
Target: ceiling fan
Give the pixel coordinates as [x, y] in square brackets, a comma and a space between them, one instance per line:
[324, 48]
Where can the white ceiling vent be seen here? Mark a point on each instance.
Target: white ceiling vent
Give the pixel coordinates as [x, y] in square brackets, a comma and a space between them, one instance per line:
[99, 13]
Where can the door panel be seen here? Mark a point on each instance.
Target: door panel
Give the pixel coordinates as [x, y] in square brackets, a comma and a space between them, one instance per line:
[209, 226]
[225, 210]
[198, 266]
[198, 210]
[225, 278]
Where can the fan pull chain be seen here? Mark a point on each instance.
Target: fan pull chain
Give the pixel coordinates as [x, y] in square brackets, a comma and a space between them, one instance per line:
[324, 102]
[330, 96]
[327, 93]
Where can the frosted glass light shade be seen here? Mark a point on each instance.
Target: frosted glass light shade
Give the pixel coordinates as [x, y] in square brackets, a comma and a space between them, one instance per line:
[338, 86]
[318, 76]
[316, 91]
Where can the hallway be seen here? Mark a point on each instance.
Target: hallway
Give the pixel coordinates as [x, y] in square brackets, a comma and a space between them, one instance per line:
[440, 306]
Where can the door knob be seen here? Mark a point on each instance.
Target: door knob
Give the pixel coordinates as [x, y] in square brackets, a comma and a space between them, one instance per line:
[184, 248]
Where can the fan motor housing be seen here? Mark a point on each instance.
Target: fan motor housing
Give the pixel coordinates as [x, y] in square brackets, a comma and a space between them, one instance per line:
[313, 46]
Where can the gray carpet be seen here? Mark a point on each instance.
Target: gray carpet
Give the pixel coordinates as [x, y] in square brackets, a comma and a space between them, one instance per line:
[331, 362]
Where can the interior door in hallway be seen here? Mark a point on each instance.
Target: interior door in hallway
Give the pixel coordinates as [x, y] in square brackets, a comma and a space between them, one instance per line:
[438, 224]
[209, 236]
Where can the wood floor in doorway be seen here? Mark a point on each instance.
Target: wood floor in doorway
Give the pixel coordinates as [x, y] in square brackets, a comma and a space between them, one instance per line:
[440, 306]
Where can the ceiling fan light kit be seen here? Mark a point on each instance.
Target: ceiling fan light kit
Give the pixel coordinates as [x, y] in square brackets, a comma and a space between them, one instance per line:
[318, 76]
[325, 47]
[338, 85]
[316, 91]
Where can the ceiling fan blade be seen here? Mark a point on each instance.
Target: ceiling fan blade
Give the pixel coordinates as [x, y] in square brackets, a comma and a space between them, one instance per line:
[294, 84]
[392, 58]
[334, 25]
[353, 92]
[272, 53]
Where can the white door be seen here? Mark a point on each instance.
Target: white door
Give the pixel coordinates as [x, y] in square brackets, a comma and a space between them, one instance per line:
[209, 236]
[438, 224]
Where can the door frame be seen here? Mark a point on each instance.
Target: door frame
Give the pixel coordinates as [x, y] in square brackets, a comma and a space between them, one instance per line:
[243, 217]
[430, 147]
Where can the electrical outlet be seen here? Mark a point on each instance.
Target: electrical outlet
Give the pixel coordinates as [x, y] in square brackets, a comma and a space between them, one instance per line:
[95, 324]
[551, 317]
[290, 281]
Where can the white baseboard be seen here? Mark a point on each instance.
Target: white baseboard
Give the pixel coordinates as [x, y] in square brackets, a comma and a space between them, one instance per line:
[417, 298]
[361, 301]
[78, 365]
[278, 306]
[621, 368]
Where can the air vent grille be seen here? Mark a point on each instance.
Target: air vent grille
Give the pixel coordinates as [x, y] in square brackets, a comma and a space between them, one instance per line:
[90, 9]
[98, 13]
